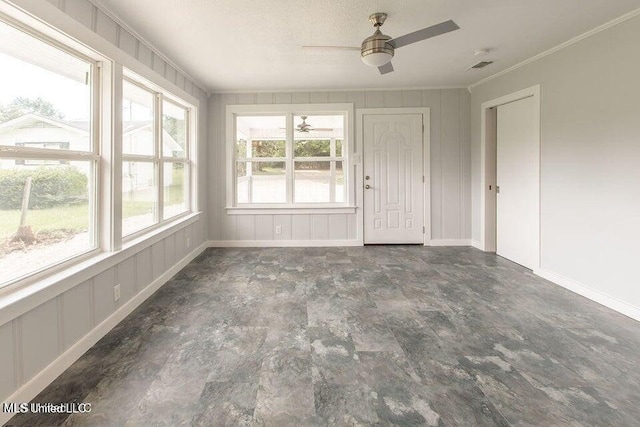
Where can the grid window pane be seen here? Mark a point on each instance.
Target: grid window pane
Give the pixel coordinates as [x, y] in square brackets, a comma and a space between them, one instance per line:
[339, 189]
[260, 148]
[175, 189]
[318, 126]
[45, 214]
[174, 130]
[45, 94]
[261, 182]
[137, 120]
[312, 148]
[260, 136]
[139, 196]
[312, 182]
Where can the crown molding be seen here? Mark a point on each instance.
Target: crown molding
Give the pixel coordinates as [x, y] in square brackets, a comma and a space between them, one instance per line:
[326, 90]
[561, 46]
[122, 23]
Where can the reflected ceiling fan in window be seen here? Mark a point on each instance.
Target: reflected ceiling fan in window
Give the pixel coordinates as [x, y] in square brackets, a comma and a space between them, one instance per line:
[378, 49]
[305, 127]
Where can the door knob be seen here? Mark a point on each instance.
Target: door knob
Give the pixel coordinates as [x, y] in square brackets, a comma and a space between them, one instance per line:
[367, 186]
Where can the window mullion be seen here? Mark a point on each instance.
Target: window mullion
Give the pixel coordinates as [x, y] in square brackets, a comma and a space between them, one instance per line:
[290, 163]
[11, 152]
[332, 181]
[157, 118]
[249, 168]
[111, 157]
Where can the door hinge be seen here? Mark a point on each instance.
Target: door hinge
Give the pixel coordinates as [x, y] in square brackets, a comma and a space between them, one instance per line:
[424, 230]
[423, 179]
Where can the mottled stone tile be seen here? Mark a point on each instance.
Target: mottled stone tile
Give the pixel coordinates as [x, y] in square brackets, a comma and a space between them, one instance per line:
[113, 401]
[226, 404]
[512, 394]
[406, 404]
[285, 391]
[465, 405]
[172, 398]
[346, 404]
[370, 332]
[334, 356]
[401, 335]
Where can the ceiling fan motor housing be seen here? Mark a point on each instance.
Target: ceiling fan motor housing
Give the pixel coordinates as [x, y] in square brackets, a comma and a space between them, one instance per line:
[376, 49]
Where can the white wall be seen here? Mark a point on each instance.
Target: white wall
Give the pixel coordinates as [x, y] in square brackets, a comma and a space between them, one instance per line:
[450, 167]
[590, 162]
[50, 326]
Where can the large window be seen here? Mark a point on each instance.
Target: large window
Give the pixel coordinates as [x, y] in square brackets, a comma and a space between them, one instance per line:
[61, 163]
[48, 154]
[155, 158]
[293, 156]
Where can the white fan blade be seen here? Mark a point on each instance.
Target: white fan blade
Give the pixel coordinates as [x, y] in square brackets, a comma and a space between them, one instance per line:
[330, 48]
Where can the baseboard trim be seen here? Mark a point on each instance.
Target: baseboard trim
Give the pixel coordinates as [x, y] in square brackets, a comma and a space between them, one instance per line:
[476, 244]
[38, 383]
[594, 295]
[281, 243]
[449, 242]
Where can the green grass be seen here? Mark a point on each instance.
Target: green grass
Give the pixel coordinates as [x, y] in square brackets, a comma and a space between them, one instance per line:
[133, 207]
[74, 217]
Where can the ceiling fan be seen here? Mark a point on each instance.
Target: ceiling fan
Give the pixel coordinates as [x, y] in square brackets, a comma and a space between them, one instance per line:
[378, 49]
[305, 127]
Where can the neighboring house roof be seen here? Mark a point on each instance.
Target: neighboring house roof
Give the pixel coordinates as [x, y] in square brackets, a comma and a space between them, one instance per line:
[82, 126]
[24, 121]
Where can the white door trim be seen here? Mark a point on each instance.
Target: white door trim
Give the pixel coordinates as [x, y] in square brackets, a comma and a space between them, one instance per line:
[487, 196]
[426, 160]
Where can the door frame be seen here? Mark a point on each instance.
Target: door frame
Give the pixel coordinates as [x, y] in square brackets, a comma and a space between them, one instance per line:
[426, 162]
[488, 155]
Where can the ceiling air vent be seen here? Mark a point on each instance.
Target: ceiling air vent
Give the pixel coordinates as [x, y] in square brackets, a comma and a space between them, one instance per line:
[481, 64]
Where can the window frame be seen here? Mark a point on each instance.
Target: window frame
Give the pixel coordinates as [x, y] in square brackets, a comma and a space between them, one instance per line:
[290, 111]
[158, 159]
[93, 155]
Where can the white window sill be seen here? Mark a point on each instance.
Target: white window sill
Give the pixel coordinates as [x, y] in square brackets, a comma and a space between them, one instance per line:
[20, 297]
[289, 210]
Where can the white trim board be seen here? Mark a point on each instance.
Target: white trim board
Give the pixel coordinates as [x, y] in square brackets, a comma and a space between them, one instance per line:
[561, 46]
[282, 243]
[592, 294]
[333, 90]
[449, 242]
[45, 377]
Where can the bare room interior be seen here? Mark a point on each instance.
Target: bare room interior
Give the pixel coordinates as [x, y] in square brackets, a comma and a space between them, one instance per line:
[319, 213]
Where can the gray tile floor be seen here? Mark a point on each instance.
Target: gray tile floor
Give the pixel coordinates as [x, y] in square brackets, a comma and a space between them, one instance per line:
[395, 335]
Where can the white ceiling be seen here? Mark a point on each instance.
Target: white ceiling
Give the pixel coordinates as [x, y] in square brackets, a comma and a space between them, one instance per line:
[255, 45]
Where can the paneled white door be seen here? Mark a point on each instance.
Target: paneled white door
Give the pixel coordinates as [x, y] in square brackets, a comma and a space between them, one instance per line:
[517, 177]
[393, 170]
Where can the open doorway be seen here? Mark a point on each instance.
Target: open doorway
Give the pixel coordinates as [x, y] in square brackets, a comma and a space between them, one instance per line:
[510, 177]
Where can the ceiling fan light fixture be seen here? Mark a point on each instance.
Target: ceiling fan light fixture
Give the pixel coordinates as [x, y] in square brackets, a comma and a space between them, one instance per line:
[377, 59]
[376, 50]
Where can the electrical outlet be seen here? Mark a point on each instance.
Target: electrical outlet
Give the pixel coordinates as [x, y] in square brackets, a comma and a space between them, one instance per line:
[278, 229]
[116, 292]
[188, 242]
